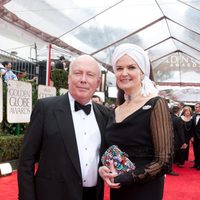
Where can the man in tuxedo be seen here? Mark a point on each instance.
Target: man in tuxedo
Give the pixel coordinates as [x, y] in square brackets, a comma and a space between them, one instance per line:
[97, 99]
[66, 140]
[196, 136]
[178, 134]
[181, 106]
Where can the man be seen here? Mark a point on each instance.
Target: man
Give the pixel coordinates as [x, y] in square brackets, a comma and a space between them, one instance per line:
[65, 141]
[23, 76]
[97, 99]
[196, 136]
[178, 133]
[181, 106]
[7, 73]
[61, 64]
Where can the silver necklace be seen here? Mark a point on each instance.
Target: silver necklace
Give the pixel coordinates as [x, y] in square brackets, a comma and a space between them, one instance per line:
[130, 97]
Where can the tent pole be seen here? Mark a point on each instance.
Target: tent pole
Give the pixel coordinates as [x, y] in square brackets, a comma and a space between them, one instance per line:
[48, 68]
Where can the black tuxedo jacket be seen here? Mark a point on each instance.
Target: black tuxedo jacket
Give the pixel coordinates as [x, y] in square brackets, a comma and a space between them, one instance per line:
[196, 132]
[50, 141]
[179, 137]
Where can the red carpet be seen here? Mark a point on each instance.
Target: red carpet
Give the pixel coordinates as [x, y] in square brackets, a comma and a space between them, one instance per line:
[186, 186]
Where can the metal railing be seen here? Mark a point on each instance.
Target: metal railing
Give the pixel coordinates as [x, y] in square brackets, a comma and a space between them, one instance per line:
[19, 63]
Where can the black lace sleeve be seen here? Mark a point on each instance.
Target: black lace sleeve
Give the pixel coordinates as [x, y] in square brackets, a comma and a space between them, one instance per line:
[161, 129]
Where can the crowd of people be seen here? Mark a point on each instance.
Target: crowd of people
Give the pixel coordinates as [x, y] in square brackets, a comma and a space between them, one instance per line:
[67, 135]
[186, 132]
[7, 74]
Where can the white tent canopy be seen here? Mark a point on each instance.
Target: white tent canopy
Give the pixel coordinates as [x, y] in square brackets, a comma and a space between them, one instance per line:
[167, 29]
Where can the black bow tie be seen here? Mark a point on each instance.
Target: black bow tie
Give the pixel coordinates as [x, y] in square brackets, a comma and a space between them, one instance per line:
[85, 108]
[197, 114]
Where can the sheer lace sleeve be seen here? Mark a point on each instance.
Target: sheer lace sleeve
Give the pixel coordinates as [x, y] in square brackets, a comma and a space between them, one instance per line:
[161, 129]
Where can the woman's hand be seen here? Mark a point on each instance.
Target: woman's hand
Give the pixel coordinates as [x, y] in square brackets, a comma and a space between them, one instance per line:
[184, 146]
[108, 175]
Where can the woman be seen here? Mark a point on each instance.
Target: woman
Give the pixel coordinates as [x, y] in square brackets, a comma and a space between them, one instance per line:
[188, 129]
[140, 126]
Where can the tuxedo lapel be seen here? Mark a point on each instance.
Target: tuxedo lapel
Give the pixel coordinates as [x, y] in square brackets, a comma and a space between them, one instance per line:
[99, 117]
[195, 119]
[101, 124]
[65, 123]
[198, 123]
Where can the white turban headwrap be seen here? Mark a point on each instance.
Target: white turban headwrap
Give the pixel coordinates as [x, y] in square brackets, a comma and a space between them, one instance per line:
[142, 59]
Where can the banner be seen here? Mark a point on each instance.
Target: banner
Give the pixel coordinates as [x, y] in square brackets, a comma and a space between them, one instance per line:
[46, 91]
[19, 101]
[62, 91]
[1, 100]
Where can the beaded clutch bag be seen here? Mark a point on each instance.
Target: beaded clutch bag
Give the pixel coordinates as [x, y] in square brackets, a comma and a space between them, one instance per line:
[120, 159]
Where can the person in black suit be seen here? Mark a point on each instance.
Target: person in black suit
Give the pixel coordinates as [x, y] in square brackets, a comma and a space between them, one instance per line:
[196, 136]
[60, 64]
[179, 138]
[65, 141]
[181, 106]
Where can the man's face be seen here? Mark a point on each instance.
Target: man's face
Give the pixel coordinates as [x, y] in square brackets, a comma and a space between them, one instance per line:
[8, 66]
[96, 100]
[197, 108]
[84, 79]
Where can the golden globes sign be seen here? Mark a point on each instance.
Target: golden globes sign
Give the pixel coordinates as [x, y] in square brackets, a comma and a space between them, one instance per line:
[1, 101]
[19, 101]
[46, 91]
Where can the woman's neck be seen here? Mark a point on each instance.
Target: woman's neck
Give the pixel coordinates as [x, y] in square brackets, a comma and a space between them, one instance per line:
[187, 118]
[130, 96]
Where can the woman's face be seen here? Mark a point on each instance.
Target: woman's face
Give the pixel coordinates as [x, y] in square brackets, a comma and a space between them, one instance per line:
[187, 113]
[128, 74]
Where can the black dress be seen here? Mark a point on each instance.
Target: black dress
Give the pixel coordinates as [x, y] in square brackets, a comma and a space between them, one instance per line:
[146, 136]
[188, 129]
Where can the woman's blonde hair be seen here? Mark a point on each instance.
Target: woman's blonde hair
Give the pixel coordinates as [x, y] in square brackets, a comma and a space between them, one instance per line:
[187, 108]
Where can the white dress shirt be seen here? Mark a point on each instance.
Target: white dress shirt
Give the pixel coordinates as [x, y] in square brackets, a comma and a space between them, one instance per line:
[88, 142]
[197, 119]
